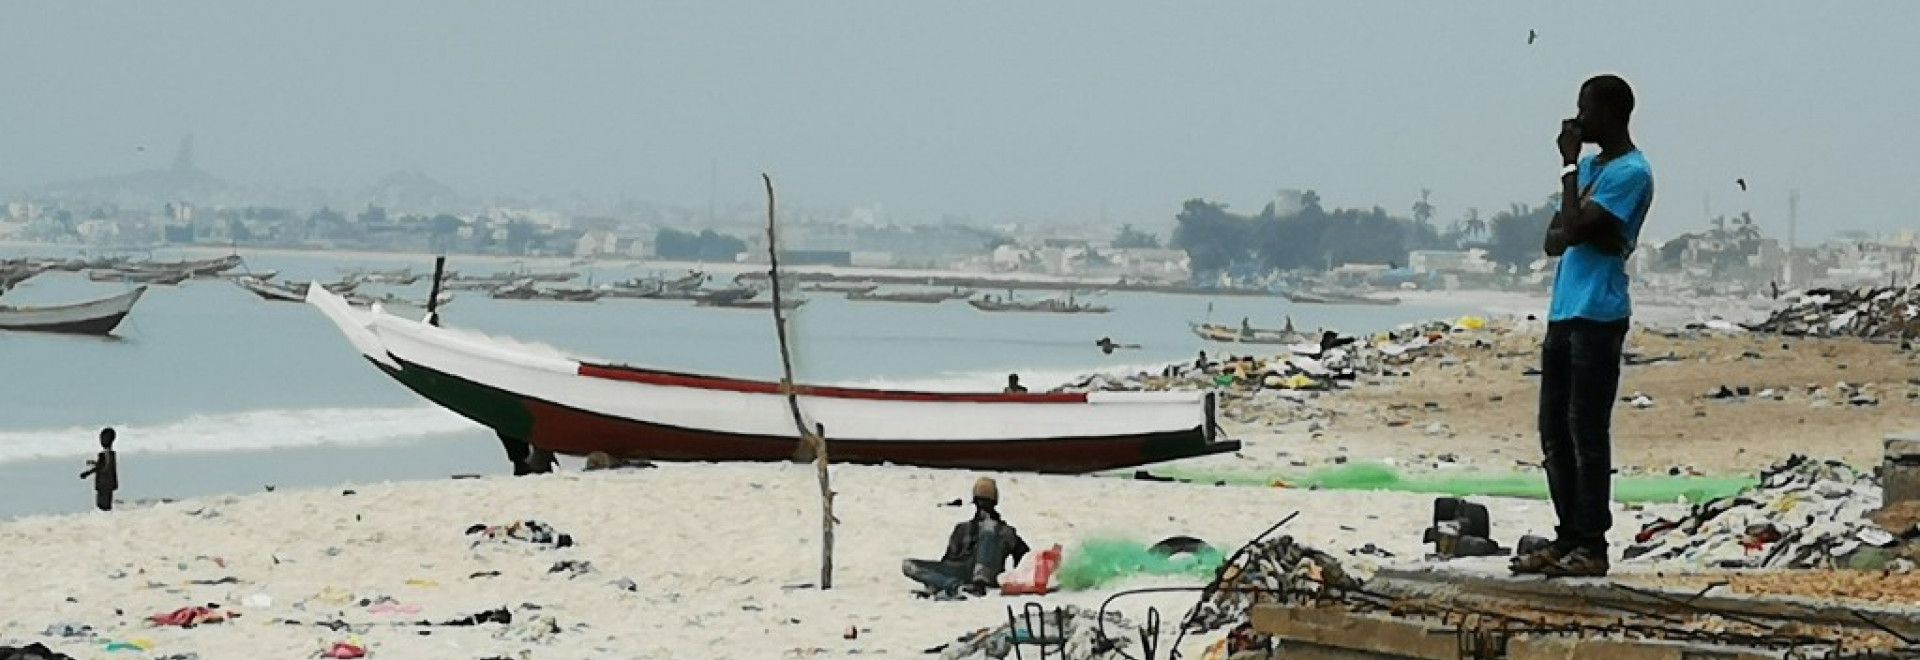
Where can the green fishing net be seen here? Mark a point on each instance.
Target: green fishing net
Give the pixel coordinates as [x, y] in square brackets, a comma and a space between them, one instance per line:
[1370, 476]
[1099, 562]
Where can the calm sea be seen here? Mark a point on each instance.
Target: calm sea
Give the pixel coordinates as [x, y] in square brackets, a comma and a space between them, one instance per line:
[208, 367]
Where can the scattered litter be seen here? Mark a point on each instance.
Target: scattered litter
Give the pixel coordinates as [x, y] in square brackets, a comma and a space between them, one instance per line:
[572, 567]
[69, 630]
[530, 531]
[188, 617]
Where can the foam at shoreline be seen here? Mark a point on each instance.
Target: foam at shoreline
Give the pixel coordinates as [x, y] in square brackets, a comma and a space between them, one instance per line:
[242, 431]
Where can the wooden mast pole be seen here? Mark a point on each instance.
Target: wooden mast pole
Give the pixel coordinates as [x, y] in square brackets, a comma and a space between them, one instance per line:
[817, 442]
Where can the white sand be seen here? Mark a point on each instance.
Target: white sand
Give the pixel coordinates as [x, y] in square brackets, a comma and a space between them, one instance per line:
[709, 546]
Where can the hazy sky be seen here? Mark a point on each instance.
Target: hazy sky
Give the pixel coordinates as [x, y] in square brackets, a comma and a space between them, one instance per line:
[1031, 110]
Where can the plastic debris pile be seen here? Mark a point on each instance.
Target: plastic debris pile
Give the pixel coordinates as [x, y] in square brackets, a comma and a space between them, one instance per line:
[1803, 514]
[1279, 387]
[1885, 312]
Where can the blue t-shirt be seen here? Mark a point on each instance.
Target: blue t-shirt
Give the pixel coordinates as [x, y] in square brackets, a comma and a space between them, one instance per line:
[1591, 284]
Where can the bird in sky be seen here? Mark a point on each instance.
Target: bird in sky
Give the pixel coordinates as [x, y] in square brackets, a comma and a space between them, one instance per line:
[1743, 184]
[1531, 36]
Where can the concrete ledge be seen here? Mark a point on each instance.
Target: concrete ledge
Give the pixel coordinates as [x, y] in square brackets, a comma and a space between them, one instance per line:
[1333, 633]
[1564, 648]
[1604, 596]
[1374, 635]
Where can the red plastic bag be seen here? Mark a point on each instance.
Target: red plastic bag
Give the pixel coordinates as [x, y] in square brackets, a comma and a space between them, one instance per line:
[1031, 578]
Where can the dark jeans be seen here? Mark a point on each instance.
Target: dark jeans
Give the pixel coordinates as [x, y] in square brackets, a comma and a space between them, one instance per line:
[1579, 380]
[103, 499]
[989, 559]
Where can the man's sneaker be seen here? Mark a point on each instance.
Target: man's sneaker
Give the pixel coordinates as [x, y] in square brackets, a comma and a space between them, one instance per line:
[1582, 562]
[975, 589]
[948, 595]
[1536, 562]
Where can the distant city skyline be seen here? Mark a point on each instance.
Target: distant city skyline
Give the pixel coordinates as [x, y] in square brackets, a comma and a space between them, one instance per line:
[1065, 112]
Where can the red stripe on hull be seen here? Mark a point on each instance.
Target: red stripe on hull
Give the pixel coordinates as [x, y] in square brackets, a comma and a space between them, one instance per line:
[569, 431]
[670, 379]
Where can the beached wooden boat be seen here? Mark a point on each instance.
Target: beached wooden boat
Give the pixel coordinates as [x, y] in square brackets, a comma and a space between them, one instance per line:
[574, 405]
[1048, 306]
[94, 317]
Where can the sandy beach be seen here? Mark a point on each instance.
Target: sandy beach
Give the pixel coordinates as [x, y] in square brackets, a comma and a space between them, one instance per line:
[718, 561]
[715, 554]
[1477, 406]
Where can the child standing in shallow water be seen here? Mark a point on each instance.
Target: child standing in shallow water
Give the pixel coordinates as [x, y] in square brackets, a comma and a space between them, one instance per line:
[105, 470]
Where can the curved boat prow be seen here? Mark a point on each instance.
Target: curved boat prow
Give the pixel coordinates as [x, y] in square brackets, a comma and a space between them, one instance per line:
[355, 324]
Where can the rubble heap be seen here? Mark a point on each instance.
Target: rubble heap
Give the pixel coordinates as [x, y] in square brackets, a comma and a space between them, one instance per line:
[1277, 570]
[1803, 514]
[1874, 313]
[1067, 632]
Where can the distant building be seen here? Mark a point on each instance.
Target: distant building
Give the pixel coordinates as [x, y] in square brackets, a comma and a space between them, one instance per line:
[604, 243]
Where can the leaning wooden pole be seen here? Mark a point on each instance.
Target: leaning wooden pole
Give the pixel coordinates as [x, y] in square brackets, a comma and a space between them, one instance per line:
[816, 442]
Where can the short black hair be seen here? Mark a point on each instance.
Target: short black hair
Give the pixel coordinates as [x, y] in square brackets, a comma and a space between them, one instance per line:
[1611, 92]
[107, 434]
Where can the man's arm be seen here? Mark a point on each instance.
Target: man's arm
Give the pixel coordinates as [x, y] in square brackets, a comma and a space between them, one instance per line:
[1558, 237]
[1584, 222]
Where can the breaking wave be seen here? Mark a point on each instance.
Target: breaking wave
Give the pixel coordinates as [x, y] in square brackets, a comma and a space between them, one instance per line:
[255, 429]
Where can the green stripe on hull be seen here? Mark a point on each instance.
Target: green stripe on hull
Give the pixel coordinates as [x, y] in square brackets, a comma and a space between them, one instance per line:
[498, 410]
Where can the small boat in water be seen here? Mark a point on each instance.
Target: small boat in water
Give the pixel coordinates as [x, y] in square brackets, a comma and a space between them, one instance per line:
[1247, 334]
[571, 405]
[94, 317]
[524, 289]
[848, 288]
[750, 303]
[193, 268]
[161, 277]
[291, 292]
[925, 297]
[1332, 298]
[1048, 306]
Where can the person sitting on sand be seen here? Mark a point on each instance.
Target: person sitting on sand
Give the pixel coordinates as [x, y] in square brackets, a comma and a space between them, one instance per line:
[977, 550]
[1014, 386]
[105, 470]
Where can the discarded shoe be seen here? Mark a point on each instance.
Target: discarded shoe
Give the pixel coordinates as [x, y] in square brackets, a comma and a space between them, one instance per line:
[1581, 562]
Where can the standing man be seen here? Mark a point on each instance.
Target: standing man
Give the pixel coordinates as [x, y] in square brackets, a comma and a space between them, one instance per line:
[105, 470]
[1604, 201]
[1014, 386]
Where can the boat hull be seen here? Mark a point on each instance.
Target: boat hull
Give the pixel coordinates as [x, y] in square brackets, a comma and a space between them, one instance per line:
[566, 430]
[578, 406]
[96, 317]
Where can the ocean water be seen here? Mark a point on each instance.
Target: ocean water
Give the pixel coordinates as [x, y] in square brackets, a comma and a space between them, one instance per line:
[208, 368]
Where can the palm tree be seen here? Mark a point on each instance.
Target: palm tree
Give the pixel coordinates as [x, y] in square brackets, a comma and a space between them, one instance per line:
[1423, 210]
[1475, 226]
